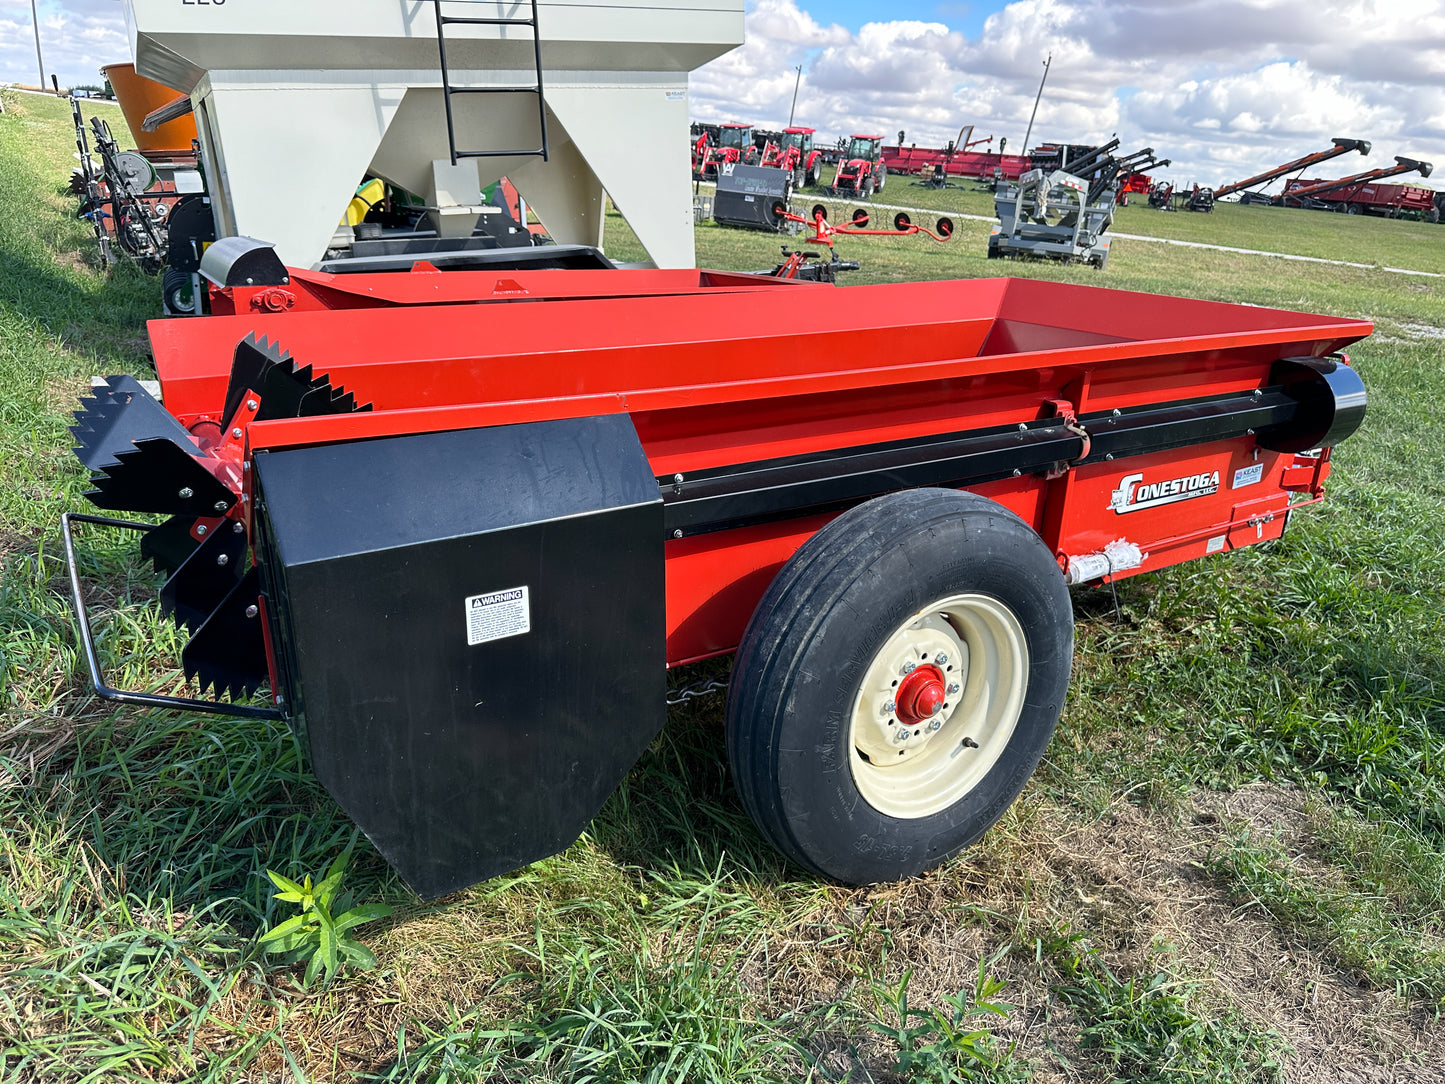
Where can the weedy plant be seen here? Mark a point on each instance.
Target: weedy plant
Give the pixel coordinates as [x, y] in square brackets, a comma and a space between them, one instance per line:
[942, 1045]
[1152, 1030]
[320, 935]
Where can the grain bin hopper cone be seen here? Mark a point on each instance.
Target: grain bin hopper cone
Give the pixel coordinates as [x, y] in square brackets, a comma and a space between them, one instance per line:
[295, 102]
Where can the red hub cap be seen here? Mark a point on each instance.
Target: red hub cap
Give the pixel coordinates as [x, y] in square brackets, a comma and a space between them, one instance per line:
[920, 695]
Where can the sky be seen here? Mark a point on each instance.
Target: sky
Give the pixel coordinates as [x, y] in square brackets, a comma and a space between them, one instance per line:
[1223, 88]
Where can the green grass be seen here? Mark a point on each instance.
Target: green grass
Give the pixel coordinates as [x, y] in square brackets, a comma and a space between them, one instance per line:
[1154, 1029]
[671, 943]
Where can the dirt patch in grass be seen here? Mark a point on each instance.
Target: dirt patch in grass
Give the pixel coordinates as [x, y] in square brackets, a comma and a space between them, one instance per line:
[1140, 878]
[1134, 882]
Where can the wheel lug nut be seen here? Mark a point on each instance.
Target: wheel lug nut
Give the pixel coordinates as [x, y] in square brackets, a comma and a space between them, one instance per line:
[890, 707]
[953, 689]
[933, 726]
[909, 666]
[903, 734]
[941, 659]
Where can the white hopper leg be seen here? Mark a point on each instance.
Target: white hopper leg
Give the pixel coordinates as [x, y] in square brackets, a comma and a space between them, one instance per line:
[632, 137]
[285, 177]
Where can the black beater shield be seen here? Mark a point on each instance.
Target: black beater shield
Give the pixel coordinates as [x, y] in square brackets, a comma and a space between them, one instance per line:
[473, 632]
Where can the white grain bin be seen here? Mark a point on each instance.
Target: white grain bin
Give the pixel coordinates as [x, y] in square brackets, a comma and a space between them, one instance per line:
[297, 99]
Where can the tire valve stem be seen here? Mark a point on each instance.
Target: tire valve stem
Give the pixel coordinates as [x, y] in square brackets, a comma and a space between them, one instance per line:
[968, 743]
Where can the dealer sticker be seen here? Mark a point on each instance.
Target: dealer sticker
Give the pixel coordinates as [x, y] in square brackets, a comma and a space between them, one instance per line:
[1247, 476]
[497, 615]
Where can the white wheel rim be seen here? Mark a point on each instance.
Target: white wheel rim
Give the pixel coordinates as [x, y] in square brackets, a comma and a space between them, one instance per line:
[947, 752]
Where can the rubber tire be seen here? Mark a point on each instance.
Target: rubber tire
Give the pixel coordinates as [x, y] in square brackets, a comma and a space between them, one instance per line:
[1352, 208]
[882, 176]
[812, 177]
[174, 284]
[811, 640]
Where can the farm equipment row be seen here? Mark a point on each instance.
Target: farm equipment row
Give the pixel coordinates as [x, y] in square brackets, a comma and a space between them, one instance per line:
[1359, 193]
[452, 509]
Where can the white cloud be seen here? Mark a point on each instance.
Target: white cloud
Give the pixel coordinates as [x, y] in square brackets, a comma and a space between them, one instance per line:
[77, 37]
[1224, 88]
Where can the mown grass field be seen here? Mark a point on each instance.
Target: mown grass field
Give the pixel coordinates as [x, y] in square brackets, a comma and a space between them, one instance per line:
[1230, 866]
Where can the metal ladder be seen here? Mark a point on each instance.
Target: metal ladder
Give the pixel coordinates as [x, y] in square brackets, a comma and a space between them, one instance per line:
[448, 90]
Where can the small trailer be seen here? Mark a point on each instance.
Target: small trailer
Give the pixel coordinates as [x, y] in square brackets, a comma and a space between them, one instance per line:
[457, 526]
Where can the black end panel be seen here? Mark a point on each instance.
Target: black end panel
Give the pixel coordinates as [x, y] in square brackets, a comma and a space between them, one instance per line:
[1330, 400]
[401, 572]
[749, 196]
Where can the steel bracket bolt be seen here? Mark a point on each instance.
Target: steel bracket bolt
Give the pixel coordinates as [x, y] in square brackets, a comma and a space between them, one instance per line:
[236, 433]
[223, 559]
[677, 533]
[200, 528]
[238, 527]
[251, 611]
[251, 404]
[219, 506]
[186, 493]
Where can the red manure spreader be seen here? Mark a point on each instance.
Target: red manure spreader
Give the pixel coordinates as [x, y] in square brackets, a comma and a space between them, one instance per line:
[457, 526]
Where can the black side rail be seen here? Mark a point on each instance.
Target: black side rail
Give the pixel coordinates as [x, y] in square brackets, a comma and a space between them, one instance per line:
[92, 659]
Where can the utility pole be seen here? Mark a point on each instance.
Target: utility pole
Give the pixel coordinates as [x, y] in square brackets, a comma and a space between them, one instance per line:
[1037, 96]
[35, 19]
[799, 79]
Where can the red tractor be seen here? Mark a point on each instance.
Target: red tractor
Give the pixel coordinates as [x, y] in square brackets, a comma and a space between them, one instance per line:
[796, 153]
[861, 171]
[734, 145]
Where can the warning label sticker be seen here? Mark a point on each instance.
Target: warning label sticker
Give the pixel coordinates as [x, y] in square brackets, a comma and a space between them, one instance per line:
[497, 615]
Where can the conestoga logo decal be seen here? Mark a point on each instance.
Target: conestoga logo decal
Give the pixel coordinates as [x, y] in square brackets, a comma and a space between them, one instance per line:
[1133, 494]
